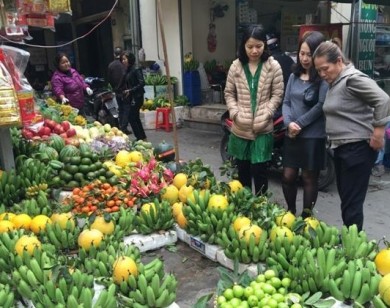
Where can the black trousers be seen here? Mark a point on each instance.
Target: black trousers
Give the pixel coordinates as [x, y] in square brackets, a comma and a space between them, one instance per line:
[129, 112]
[353, 163]
[257, 172]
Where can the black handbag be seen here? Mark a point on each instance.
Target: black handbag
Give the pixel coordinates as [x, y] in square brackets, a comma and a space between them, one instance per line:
[311, 94]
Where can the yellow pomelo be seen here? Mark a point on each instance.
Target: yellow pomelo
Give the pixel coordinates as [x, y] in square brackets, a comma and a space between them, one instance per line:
[62, 219]
[22, 221]
[218, 202]
[123, 158]
[246, 232]
[147, 206]
[38, 223]
[281, 231]
[179, 180]
[184, 192]
[312, 222]
[123, 267]
[136, 156]
[6, 226]
[177, 208]
[235, 185]
[103, 226]
[286, 219]
[7, 216]
[89, 237]
[171, 194]
[181, 220]
[384, 289]
[27, 243]
[241, 221]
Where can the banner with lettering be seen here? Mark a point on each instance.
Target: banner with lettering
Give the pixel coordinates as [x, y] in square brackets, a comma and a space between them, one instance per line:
[366, 38]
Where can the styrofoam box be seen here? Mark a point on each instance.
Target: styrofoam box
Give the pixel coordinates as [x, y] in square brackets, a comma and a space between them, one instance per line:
[182, 234]
[173, 305]
[63, 195]
[210, 251]
[148, 119]
[149, 92]
[151, 241]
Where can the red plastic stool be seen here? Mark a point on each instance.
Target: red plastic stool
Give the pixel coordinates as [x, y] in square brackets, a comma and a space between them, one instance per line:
[166, 119]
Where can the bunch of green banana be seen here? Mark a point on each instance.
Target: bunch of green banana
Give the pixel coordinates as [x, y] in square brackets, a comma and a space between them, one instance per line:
[209, 223]
[37, 205]
[377, 302]
[32, 171]
[356, 244]
[145, 147]
[74, 291]
[11, 187]
[7, 249]
[156, 79]
[244, 249]
[33, 190]
[285, 249]
[158, 218]
[7, 296]
[158, 292]
[324, 236]
[358, 283]
[107, 298]
[62, 239]
[20, 145]
[124, 222]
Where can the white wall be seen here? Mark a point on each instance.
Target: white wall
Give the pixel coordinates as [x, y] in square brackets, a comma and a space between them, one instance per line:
[341, 13]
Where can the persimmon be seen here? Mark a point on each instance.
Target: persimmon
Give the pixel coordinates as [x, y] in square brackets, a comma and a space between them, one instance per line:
[110, 203]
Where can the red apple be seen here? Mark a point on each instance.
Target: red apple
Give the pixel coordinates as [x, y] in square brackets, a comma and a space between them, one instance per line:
[44, 131]
[58, 129]
[65, 125]
[50, 123]
[28, 134]
[64, 135]
[71, 132]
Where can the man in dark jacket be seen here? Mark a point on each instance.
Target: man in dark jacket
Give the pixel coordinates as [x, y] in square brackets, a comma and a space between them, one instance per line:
[116, 69]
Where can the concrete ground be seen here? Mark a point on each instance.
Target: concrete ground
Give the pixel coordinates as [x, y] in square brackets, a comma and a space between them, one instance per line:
[196, 274]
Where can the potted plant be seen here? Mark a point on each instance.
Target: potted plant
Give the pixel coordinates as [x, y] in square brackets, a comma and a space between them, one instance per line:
[191, 80]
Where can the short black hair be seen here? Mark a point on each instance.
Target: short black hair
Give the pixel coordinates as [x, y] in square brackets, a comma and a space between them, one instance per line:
[130, 57]
[257, 32]
[58, 58]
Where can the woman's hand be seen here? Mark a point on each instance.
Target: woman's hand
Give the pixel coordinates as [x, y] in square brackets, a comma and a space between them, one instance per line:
[293, 129]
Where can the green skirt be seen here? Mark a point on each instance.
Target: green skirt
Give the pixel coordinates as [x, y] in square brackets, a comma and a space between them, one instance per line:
[256, 151]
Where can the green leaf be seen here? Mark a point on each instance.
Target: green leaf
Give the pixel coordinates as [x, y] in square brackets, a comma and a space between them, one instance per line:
[203, 301]
[325, 303]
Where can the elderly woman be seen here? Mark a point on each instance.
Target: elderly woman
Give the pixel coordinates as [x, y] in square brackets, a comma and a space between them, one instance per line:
[67, 84]
[356, 111]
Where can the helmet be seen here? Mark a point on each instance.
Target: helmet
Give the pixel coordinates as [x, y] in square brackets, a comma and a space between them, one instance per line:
[272, 41]
[117, 52]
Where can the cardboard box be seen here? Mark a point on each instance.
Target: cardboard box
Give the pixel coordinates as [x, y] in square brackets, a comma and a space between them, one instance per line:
[148, 119]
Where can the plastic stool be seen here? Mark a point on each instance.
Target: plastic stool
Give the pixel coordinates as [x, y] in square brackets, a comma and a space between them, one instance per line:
[166, 116]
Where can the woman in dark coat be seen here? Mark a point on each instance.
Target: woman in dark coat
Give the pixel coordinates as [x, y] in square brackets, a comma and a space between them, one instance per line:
[132, 89]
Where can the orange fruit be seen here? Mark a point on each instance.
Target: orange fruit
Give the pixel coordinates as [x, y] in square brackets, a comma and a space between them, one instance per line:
[286, 219]
[382, 261]
[22, 221]
[89, 237]
[179, 180]
[171, 194]
[62, 219]
[123, 267]
[218, 202]
[27, 243]
[235, 185]
[38, 223]
[6, 226]
[102, 225]
[240, 222]
[281, 231]
[246, 232]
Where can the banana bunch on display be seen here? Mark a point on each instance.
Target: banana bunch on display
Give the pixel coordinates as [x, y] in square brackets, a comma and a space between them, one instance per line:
[124, 222]
[74, 290]
[283, 252]
[151, 288]
[11, 187]
[20, 145]
[154, 216]
[62, 238]
[33, 190]
[247, 249]
[7, 296]
[32, 171]
[35, 206]
[356, 244]
[359, 282]
[325, 236]
[30, 272]
[377, 302]
[145, 147]
[80, 120]
[99, 261]
[107, 298]
[7, 249]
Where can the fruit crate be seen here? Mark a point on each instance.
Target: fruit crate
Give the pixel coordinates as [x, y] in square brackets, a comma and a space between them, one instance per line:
[152, 241]
[148, 119]
[209, 251]
[229, 263]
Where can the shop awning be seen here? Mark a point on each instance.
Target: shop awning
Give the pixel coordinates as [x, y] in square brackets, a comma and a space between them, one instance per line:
[379, 2]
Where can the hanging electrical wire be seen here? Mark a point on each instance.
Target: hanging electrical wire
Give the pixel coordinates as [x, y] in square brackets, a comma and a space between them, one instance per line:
[67, 43]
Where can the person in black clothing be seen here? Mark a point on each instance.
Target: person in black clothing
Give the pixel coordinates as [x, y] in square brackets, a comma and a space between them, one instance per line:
[132, 91]
[285, 62]
[116, 69]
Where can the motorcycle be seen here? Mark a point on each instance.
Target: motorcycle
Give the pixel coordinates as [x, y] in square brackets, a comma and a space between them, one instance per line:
[327, 176]
[102, 105]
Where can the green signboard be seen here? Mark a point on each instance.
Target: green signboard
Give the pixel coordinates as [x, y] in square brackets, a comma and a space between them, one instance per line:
[366, 38]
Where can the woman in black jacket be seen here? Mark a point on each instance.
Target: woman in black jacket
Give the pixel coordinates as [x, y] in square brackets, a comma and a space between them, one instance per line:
[132, 89]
